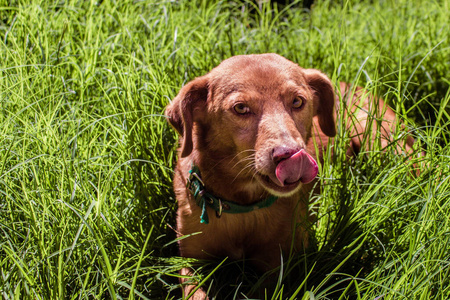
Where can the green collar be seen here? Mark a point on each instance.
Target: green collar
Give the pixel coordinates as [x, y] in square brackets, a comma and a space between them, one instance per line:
[204, 198]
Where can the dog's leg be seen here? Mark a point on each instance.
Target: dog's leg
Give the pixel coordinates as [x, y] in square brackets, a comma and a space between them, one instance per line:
[199, 294]
[367, 113]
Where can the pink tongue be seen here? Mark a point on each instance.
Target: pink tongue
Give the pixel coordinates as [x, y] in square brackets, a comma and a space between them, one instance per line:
[300, 166]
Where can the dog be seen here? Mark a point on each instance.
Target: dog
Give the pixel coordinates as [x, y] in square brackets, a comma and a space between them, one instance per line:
[252, 132]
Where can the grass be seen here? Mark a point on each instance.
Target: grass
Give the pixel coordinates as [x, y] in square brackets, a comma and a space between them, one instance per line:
[86, 156]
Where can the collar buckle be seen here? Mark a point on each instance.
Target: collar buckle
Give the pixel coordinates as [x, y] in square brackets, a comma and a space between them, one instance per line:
[219, 211]
[193, 175]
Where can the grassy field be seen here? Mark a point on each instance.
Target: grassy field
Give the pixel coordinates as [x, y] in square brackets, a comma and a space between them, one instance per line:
[86, 156]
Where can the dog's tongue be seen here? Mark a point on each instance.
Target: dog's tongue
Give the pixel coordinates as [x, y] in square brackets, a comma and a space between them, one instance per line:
[300, 166]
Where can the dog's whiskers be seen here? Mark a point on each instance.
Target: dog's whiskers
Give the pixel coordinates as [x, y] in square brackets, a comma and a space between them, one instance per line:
[249, 168]
[231, 159]
[250, 157]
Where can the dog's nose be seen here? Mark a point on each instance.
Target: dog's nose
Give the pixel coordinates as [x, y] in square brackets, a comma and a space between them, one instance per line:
[283, 152]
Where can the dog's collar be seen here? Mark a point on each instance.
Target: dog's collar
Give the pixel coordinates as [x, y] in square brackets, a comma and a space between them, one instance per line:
[204, 198]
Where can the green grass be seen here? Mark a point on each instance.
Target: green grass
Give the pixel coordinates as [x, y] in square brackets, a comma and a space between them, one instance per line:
[86, 157]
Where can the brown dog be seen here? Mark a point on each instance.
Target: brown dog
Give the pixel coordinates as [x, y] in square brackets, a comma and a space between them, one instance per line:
[247, 155]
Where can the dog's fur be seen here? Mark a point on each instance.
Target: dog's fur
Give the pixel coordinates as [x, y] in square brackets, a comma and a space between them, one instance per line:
[237, 124]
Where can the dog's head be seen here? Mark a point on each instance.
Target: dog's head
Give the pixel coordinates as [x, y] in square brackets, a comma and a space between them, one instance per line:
[256, 111]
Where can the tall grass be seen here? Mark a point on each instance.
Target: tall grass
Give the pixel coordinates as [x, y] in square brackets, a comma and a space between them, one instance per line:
[86, 156]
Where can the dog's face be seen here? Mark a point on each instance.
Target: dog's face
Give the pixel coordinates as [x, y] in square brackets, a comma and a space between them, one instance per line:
[256, 111]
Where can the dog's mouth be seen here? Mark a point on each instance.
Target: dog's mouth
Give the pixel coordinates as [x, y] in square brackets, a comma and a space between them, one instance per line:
[290, 173]
[273, 186]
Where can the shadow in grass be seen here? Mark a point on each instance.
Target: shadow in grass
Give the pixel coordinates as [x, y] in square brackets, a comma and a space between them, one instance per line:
[325, 271]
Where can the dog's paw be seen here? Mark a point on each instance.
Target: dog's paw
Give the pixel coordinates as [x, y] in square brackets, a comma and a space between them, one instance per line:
[199, 294]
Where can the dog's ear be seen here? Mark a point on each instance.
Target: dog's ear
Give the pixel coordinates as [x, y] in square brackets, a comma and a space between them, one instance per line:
[184, 107]
[324, 99]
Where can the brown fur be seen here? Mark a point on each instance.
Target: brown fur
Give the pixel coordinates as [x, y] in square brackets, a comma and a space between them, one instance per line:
[235, 153]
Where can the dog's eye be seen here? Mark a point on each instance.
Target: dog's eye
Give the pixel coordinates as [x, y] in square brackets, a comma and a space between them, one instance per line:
[241, 109]
[298, 102]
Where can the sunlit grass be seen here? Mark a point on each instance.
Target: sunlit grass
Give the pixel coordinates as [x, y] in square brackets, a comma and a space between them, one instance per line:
[86, 155]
